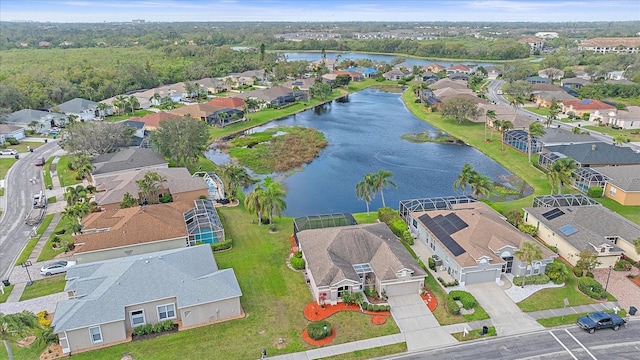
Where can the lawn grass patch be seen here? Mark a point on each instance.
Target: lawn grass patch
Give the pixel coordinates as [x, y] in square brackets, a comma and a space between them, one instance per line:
[371, 353]
[48, 252]
[28, 249]
[7, 292]
[127, 115]
[543, 111]
[475, 334]
[364, 218]
[44, 287]
[633, 134]
[553, 298]
[67, 177]
[5, 164]
[48, 181]
[569, 319]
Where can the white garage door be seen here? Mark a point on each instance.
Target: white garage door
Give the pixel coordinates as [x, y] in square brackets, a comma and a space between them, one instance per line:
[480, 277]
[403, 288]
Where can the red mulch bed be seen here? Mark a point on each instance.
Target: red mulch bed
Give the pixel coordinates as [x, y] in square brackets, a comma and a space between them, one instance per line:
[294, 247]
[378, 319]
[321, 342]
[430, 299]
[635, 280]
[315, 312]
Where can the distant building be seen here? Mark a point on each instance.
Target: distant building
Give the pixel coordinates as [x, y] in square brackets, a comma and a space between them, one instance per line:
[618, 45]
[547, 35]
[535, 43]
[138, 21]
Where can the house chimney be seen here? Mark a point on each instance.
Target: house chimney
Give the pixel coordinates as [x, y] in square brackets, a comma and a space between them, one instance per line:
[593, 147]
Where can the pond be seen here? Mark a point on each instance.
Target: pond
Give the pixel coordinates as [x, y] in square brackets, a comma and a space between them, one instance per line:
[364, 132]
[313, 56]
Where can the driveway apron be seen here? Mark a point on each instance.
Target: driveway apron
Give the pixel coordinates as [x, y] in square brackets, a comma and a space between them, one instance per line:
[505, 315]
[418, 325]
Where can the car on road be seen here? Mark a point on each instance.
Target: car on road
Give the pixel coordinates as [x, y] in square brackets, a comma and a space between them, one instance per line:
[600, 320]
[40, 161]
[8, 152]
[57, 267]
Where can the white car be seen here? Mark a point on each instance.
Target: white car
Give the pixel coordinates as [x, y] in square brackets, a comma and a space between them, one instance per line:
[8, 152]
[57, 267]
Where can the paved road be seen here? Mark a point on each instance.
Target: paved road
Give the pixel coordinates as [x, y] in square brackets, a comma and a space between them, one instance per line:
[559, 343]
[17, 202]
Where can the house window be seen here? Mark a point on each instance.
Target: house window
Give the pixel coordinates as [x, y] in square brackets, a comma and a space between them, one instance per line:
[415, 223]
[612, 191]
[341, 290]
[96, 334]
[603, 249]
[137, 318]
[166, 312]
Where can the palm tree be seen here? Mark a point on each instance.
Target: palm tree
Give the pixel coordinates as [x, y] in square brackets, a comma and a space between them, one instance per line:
[128, 201]
[120, 102]
[463, 179]
[535, 129]
[133, 103]
[380, 180]
[364, 190]
[619, 140]
[504, 126]
[481, 185]
[528, 253]
[102, 109]
[254, 202]
[156, 98]
[491, 115]
[273, 198]
[554, 110]
[234, 176]
[561, 172]
[14, 327]
[75, 194]
[150, 186]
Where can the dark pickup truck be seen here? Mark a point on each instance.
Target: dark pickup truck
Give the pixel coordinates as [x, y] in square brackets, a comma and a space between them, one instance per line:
[600, 320]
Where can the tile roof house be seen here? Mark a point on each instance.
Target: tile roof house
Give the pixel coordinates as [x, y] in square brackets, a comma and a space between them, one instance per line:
[538, 80]
[622, 183]
[396, 74]
[435, 68]
[85, 109]
[536, 44]
[613, 44]
[475, 243]
[459, 68]
[448, 83]
[108, 299]
[116, 232]
[551, 73]
[626, 119]
[546, 98]
[575, 82]
[493, 72]
[596, 154]
[573, 229]
[364, 71]
[503, 113]
[580, 107]
[213, 115]
[228, 102]
[11, 131]
[125, 160]
[152, 121]
[214, 85]
[179, 183]
[275, 96]
[554, 136]
[355, 75]
[348, 258]
[44, 119]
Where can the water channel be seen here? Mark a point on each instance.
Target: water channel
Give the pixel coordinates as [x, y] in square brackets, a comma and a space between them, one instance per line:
[364, 133]
[313, 56]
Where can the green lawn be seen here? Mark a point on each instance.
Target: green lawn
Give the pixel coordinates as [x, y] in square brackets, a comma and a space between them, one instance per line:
[28, 249]
[7, 292]
[371, 353]
[5, 164]
[273, 299]
[568, 319]
[544, 111]
[67, 177]
[44, 287]
[630, 212]
[475, 334]
[24, 145]
[553, 298]
[127, 116]
[47, 173]
[634, 134]
[48, 252]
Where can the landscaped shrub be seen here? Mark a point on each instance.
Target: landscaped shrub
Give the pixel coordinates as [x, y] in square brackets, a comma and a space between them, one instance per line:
[370, 307]
[589, 274]
[467, 300]
[592, 288]
[514, 217]
[595, 192]
[452, 306]
[376, 308]
[156, 328]
[539, 279]
[432, 264]
[42, 319]
[143, 329]
[395, 224]
[622, 265]
[557, 272]
[578, 272]
[12, 141]
[222, 245]
[448, 284]
[385, 214]
[528, 229]
[316, 330]
[387, 308]
[297, 263]
[370, 291]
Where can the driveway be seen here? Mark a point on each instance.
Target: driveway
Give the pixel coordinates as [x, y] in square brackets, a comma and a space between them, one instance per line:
[505, 315]
[627, 293]
[420, 328]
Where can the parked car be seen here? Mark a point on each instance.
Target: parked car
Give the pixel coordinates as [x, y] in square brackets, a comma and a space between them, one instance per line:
[40, 161]
[600, 320]
[8, 152]
[57, 267]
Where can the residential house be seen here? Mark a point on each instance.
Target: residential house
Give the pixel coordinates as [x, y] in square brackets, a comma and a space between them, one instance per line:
[43, 120]
[458, 76]
[459, 68]
[351, 258]
[329, 78]
[544, 95]
[448, 83]
[139, 138]
[493, 72]
[355, 75]
[546, 35]
[475, 243]
[536, 44]
[581, 74]
[551, 73]
[125, 160]
[227, 102]
[554, 136]
[251, 77]
[396, 74]
[328, 63]
[622, 183]
[82, 108]
[11, 131]
[178, 183]
[300, 85]
[626, 119]
[619, 82]
[574, 82]
[152, 121]
[364, 71]
[503, 113]
[619, 45]
[615, 75]
[594, 154]
[429, 77]
[214, 85]
[435, 68]
[273, 97]
[108, 299]
[538, 80]
[573, 229]
[585, 106]
[213, 115]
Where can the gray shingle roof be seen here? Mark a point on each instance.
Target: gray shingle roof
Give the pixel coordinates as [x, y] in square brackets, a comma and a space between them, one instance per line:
[104, 289]
[603, 154]
[332, 252]
[625, 177]
[126, 159]
[77, 105]
[555, 136]
[26, 116]
[593, 222]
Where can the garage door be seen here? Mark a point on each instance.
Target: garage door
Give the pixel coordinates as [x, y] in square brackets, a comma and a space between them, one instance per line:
[403, 288]
[480, 276]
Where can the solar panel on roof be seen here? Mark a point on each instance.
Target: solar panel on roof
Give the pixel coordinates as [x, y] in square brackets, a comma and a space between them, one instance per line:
[568, 229]
[552, 214]
[441, 234]
[457, 223]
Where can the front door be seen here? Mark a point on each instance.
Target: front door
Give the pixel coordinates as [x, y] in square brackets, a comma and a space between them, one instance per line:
[506, 268]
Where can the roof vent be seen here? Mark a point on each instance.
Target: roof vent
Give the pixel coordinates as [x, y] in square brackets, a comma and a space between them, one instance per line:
[593, 147]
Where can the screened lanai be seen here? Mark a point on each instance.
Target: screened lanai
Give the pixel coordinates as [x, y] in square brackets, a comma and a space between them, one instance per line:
[321, 221]
[585, 178]
[563, 200]
[519, 139]
[203, 223]
[435, 203]
[546, 159]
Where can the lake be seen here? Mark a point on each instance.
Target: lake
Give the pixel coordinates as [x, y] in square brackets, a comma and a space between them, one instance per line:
[364, 132]
[313, 56]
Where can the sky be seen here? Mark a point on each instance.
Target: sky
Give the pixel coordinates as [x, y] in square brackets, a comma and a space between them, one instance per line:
[319, 10]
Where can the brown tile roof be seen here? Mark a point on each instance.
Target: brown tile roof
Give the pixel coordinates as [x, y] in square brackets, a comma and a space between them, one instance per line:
[152, 121]
[611, 42]
[448, 83]
[435, 67]
[486, 234]
[131, 226]
[197, 110]
[588, 104]
[460, 67]
[228, 102]
[530, 40]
